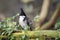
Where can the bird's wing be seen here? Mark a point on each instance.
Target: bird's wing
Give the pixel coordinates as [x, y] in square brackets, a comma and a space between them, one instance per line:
[29, 22]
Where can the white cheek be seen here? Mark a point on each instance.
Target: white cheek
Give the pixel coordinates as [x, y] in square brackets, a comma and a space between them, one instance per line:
[22, 23]
[21, 18]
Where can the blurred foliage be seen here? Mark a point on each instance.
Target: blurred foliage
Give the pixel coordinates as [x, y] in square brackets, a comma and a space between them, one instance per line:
[57, 25]
[36, 18]
[8, 26]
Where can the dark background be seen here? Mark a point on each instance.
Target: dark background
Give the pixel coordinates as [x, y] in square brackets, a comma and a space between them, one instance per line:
[9, 8]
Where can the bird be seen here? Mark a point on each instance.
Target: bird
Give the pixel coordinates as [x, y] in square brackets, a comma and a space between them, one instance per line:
[24, 21]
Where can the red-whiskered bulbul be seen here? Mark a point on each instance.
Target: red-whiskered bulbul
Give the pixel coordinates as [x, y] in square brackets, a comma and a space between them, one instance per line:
[24, 21]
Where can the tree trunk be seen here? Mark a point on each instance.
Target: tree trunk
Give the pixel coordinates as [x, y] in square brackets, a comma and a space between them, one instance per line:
[43, 14]
[53, 19]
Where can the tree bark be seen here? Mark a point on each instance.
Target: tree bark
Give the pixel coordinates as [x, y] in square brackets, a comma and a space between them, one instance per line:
[53, 19]
[43, 14]
[36, 34]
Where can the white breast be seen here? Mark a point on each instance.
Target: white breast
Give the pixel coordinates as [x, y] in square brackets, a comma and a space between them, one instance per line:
[22, 23]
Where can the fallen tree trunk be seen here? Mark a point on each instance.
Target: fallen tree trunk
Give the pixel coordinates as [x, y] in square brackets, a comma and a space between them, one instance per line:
[36, 34]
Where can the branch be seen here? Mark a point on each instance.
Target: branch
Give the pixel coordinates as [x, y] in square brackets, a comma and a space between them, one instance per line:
[37, 34]
[43, 14]
[53, 19]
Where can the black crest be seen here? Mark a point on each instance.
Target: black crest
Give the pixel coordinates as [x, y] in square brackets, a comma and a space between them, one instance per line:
[22, 12]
